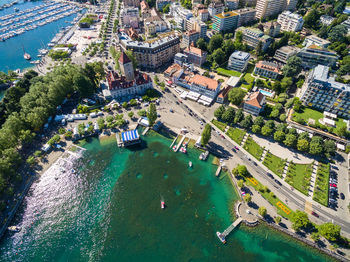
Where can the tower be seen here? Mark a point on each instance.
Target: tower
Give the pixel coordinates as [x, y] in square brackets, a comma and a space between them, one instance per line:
[126, 67]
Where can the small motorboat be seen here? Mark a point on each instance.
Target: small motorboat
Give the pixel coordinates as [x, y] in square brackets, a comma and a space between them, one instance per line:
[27, 56]
[190, 164]
[221, 237]
[162, 204]
[14, 229]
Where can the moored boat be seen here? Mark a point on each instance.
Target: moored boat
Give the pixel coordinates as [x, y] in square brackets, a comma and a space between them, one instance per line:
[162, 204]
[190, 164]
[14, 228]
[27, 56]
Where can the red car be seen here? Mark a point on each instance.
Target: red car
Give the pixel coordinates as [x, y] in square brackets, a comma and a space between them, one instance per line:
[333, 185]
[315, 214]
[236, 148]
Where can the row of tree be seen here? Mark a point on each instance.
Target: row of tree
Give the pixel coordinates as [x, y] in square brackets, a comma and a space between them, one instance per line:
[28, 105]
[280, 133]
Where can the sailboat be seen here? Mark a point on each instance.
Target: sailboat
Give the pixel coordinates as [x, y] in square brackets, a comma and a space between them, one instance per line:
[26, 55]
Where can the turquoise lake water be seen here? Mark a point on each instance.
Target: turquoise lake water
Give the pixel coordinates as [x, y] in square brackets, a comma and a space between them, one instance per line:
[11, 50]
[110, 211]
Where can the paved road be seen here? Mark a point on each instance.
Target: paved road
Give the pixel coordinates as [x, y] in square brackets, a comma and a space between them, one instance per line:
[283, 191]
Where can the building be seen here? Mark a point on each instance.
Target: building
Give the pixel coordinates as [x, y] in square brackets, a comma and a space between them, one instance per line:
[326, 20]
[130, 17]
[347, 24]
[195, 55]
[132, 3]
[161, 3]
[154, 24]
[180, 59]
[126, 67]
[268, 8]
[246, 16]
[272, 29]
[290, 5]
[267, 69]
[180, 14]
[203, 15]
[254, 103]
[204, 86]
[225, 22]
[252, 37]
[323, 93]
[248, 2]
[290, 22]
[285, 52]
[128, 138]
[190, 37]
[223, 95]
[313, 55]
[215, 8]
[151, 54]
[232, 4]
[120, 88]
[315, 40]
[238, 61]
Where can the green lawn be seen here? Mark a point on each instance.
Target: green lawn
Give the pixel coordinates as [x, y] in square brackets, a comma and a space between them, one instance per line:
[253, 148]
[321, 186]
[274, 163]
[227, 72]
[247, 81]
[299, 176]
[316, 115]
[220, 125]
[271, 198]
[236, 134]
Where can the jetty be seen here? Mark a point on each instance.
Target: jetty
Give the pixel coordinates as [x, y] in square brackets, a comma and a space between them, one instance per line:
[145, 131]
[218, 171]
[230, 228]
[180, 143]
[174, 141]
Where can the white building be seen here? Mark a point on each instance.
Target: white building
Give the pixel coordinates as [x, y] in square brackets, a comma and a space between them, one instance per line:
[315, 40]
[238, 61]
[290, 22]
[215, 8]
[326, 20]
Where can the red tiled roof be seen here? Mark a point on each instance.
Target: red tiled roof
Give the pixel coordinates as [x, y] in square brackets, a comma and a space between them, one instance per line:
[268, 66]
[204, 81]
[255, 99]
[194, 50]
[124, 58]
[117, 82]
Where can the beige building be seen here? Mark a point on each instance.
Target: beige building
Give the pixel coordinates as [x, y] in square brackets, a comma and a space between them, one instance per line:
[267, 8]
[246, 15]
[134, 3]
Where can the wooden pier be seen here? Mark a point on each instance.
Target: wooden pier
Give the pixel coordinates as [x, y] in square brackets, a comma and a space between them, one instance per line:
[145, 131]
[218, 171]
[180, 143]
[231, 228]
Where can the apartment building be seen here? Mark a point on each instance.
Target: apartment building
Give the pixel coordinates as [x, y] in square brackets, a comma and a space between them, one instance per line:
[161, 3]
[314, 55]
[267, 69]
[252, 37]
[215, 8]
[323, 93]
[238, 61]
[232, 4]
[254, 103]
[130, 17]
[285, 52]
[190, 37]
[248, 2]
[195, 55]
[132, 3]
[203, 15]
[225, 21]
[246, 16]
[152, 54]
[267, 8]
[290, 22]
[272, 29]
[315, 40]
[180, 14]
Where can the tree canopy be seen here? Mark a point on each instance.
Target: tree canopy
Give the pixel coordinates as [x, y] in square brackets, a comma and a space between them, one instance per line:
[206, 134]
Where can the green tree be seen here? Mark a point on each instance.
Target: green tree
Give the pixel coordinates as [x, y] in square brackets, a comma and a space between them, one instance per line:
[315, 236]
[247, 198]
[133, 102]
[219, 56]
[262, 211]
[131, 114]
[303, 145]
[241, 170]
[300, 220]
[329, 147]
[329, 231]
[286, 83]
[101, 123]
[236, 96]
[206, 134]
[283, 117]
[215, 42]
[256, 129]
[152, 114]
[247, 122]
[31, 160]
[125, 105]
[278, 219]
[240, 183]
[316, 145]
[259, 121]
[275, 113]
[311, 20]
[293, 66]
[290, 140]
[219, 112]
[239, 116]
[279, 136]
[266, 131]
[201, 44]
[229, 115]
[337, 33]
[142, 112]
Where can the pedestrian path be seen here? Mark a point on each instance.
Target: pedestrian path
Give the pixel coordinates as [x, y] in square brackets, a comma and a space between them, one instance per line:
[244, 139]
[263, 155]
[313, 178]
[285, 170]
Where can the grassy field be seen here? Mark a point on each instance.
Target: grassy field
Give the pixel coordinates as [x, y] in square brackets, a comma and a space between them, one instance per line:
[236, 134]
[321, 186]
[282, 209]
[316, 115]
[227, 72]
[247, 81]
[274, 163]
[299, 176]
[253, 148]
[220, 125]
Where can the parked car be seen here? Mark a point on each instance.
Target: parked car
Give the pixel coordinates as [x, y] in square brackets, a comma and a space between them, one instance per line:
[315, 214]
[342, 196]
[171, 110]
[270, 175]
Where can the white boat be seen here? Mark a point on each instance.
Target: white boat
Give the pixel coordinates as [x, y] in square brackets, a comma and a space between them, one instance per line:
[190, 164]
[27, 56]
[14, 229]
[162, 204]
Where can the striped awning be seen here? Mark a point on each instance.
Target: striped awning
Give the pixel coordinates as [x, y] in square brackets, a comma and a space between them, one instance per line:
[130, 135]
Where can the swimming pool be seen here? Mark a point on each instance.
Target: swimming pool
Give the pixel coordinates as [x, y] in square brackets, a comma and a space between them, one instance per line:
[266, 93]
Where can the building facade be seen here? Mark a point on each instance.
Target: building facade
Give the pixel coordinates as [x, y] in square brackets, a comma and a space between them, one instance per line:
[314, 55]
[267, 69]
[252, 37]
[323, 93]
[315, 40]
[285, 52]
[190, 37]
[246, 16]
[232, 4]
[132, 3]
[272, 29]
[195, 55]
[204, 86]
[225, 22]
[154, 54]
[290, 22]
[238, 61]
[215, 8]
[254, 103]
[267, 8]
